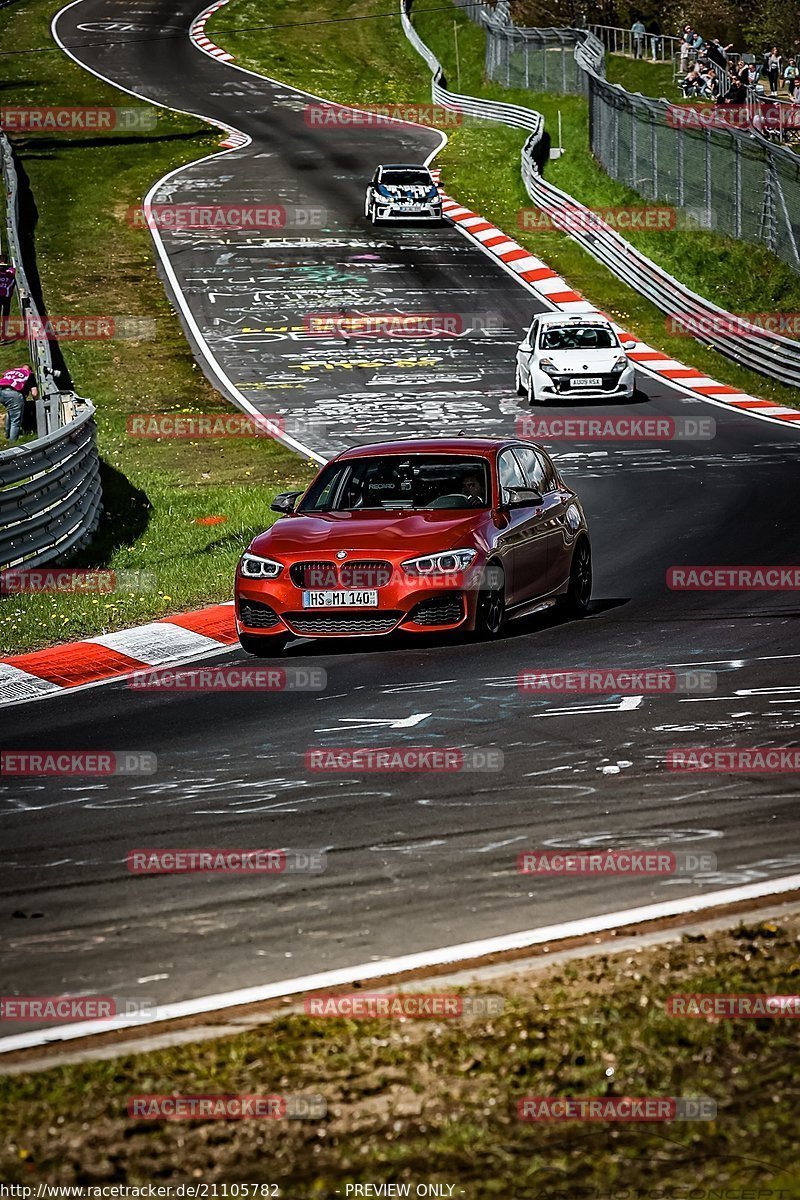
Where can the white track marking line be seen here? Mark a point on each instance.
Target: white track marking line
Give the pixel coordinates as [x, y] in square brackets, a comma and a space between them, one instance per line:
[407, 962]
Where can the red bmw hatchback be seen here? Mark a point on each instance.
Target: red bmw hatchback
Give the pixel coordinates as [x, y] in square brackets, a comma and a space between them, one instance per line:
[425, 536]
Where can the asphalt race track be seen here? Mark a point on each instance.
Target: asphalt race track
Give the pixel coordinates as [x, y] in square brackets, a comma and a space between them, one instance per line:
[413, 861]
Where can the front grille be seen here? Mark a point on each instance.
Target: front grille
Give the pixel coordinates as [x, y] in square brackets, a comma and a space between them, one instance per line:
[313, 574]
[315, 623]
[365, 573]
[608, 383]
[256, 615]
[358, 573]
[439, 610]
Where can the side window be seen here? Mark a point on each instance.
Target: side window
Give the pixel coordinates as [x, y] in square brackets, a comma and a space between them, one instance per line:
[509, 472]
[376, 176]
[535, 469]
[533, 331]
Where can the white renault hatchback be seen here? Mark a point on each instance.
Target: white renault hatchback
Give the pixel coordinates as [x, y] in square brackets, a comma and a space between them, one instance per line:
[562, 356]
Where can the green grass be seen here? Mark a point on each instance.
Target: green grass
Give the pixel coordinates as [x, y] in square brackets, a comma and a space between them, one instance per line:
[369, 60]
[92, 262]
[640, 75]
[424, 1101]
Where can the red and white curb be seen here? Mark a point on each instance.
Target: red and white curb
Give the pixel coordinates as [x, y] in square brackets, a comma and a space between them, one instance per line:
[557, 293]
[45, 673]
[197, 34]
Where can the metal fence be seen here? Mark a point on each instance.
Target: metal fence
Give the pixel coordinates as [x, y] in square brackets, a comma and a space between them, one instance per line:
[50, 492]
[658, 47]
[732, 180]
[775, 356]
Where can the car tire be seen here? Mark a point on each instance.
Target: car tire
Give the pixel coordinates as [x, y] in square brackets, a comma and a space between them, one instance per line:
[262, 647]
[579, 590]
[533, 399]
[491, 612]
[519, 387]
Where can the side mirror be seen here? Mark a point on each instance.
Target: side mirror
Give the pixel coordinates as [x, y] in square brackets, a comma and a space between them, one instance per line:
[520, 497]
[629, 344]
[284, 502]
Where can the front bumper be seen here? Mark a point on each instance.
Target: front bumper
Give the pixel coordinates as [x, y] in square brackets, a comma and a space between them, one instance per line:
[275, 608]
[559, 386]
[423, 212]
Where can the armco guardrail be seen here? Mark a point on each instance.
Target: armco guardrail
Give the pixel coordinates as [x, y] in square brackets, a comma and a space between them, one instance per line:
[50, 492]
[773, 355]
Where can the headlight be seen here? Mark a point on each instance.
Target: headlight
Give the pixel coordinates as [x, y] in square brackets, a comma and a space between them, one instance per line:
[620, 363]
[548, 366]
[434, 564]
[253, 567]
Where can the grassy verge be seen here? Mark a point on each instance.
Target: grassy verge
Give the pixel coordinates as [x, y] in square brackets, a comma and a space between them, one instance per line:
[369, 60]
[640, 75]
[91, 261]
[422, 1101]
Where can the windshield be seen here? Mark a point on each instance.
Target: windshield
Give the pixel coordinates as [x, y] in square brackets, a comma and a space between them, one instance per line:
[578, 337]
[416, 481]
[407, 177]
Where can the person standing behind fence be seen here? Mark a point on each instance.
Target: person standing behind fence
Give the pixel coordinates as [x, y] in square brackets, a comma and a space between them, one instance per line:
[15, 386]
[773, 64]
[654, 33]
[790, 73]
[8, 281]
[687, 48]
[638, 30]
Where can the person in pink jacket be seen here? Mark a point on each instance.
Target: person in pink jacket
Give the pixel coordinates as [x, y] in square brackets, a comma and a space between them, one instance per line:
[15, 386]
[8, 281]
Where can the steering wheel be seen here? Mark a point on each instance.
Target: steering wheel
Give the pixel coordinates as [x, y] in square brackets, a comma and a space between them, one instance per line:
[451, 500]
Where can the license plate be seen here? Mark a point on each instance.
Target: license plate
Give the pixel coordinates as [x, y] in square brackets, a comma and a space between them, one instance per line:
[341, 599]
[587, 381]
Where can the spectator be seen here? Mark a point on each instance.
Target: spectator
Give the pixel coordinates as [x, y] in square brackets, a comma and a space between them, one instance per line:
[655, 40]
[699, 43]
[717, 53]
[736, 93]
[638, 30]
[752, 76]
[790, 73]
[15, 386]
[773, 63]
[710, 85]
[692, 83]
[687, 48]
[8, 275]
